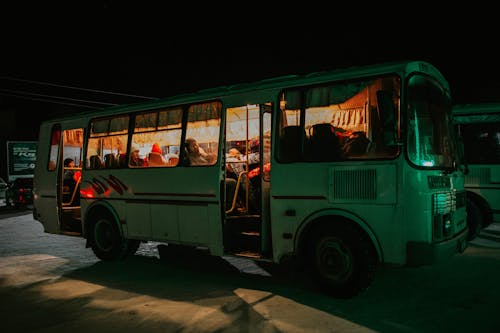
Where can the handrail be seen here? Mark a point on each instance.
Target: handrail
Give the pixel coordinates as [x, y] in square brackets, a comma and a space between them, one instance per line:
[235, 195]
[75, 188]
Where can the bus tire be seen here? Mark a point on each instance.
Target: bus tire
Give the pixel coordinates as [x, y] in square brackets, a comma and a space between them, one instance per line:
[107, 242]
[343, 259]
[475, 219]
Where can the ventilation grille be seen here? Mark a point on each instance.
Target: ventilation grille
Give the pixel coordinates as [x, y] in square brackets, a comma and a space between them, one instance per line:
[353, 184]
[478, 176]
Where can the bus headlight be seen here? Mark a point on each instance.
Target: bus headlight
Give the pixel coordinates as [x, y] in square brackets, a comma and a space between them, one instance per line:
[442, 203]
[447, 226]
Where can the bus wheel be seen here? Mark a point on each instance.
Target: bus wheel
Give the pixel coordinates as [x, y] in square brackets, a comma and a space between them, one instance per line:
[474, 219]
[107, 242]
[343, 260]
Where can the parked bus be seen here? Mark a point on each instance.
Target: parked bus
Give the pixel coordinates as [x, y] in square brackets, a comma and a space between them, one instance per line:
[341, 171]
[478, 126]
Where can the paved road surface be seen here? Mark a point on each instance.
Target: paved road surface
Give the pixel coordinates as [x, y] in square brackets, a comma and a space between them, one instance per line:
[52, 283]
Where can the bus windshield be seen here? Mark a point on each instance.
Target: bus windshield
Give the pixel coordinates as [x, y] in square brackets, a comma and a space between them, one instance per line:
[430, 133]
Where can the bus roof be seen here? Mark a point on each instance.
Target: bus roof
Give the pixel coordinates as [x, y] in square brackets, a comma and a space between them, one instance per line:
[476, 113]
[273, 83]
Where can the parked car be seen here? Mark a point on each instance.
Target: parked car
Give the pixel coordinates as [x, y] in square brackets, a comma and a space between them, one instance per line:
[3, 188]
[19, 194]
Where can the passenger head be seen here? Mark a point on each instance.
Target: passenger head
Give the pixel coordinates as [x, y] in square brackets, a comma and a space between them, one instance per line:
[192, 145]
[68, 162]
[135, 151]
[254, 145]
[156, 148]
[234, 152]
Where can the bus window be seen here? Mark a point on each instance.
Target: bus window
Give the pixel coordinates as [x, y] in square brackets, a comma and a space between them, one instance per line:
[202, 134]
[55, 137]
[157, 137]
[340, 122]
[107, 142]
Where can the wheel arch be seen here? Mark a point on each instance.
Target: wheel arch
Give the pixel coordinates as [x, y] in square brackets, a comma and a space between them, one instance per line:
[99, 208]
[329, 216]
[485, 208]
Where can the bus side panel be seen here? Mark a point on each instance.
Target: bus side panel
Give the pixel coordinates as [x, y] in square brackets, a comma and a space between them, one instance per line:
[367, 191]
[178, 204]
[138, 221]
[165, 222]
[193, 224]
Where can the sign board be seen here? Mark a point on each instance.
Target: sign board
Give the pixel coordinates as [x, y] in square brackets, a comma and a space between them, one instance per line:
[21, 159]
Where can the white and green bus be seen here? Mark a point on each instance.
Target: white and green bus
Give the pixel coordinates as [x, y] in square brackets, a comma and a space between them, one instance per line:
[341, 171]
[478, 127]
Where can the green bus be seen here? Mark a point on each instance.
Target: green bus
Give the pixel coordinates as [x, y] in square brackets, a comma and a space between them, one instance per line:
[478, 126]
[340, 171]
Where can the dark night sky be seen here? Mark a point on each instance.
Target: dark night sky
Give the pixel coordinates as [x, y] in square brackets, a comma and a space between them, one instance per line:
[136, 49]
[145, 51]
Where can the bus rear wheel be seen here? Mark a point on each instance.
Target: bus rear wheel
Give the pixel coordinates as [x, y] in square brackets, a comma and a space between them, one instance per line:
[107, 243]
[343, 260]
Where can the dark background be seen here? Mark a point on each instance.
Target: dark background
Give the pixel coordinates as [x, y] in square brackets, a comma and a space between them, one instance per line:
[73, 58]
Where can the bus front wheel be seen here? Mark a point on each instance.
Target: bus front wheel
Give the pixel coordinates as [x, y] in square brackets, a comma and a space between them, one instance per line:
[343, 260]
[107, 243]
[474, 219]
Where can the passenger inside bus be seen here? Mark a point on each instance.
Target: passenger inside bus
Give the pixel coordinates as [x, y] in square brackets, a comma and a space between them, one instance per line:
[71, 183]
[135, 160]
[236, 167]
[155, 157]
[173, 156]
[195, 155]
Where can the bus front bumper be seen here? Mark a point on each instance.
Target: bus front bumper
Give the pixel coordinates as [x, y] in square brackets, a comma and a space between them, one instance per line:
[419, 253]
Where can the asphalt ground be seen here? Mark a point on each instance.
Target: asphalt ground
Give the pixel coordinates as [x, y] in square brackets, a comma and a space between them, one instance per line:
[52, 283]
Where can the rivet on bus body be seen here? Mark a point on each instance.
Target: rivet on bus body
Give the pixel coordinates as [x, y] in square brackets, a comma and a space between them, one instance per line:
[287, 235]
[290, 212]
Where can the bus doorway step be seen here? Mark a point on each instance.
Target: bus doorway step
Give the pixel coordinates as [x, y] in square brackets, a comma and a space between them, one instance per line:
[247, 254]
[252, 217]
[71, 225]
[72, 233]
[246, 241]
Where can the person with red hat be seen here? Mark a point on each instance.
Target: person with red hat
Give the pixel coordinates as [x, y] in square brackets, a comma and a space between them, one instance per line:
[155, 157]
